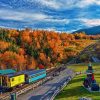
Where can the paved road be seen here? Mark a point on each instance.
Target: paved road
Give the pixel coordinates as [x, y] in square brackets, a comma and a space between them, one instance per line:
[45, 91]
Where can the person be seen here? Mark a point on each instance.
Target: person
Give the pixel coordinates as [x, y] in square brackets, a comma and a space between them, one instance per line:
[85, 83]
[93, 77]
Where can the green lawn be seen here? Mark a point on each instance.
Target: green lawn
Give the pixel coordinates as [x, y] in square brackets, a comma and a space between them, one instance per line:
[74, 90]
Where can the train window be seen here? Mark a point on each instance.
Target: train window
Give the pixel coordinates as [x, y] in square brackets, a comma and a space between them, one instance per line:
[12, 79]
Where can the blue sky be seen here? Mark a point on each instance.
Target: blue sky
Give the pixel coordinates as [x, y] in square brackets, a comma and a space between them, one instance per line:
[57, 15]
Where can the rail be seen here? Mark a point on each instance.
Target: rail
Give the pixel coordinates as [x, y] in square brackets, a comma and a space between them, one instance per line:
[27, 87]
[23, 90]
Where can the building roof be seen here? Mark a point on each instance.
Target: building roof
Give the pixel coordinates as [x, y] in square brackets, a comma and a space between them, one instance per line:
[7, 71]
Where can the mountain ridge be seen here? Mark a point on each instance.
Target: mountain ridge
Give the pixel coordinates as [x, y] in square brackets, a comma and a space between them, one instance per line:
[89, 31]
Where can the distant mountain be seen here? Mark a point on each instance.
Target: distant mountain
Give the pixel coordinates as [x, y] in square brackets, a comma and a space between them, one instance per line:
[90, 31]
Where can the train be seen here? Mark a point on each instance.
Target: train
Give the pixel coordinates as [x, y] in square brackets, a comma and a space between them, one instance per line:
[10, 79]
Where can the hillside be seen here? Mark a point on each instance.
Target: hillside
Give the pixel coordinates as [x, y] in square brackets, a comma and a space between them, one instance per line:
[90, 31]
[90, 53]
[31, 49]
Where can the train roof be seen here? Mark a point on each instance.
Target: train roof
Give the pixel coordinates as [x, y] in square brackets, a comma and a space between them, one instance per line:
[7, 71]
[14, 74]
[33, 72]
[29, 73]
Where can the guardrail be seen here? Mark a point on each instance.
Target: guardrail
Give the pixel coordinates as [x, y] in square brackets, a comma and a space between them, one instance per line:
[62, 87]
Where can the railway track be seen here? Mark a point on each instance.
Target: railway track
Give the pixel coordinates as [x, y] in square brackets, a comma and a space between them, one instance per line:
[84, 51]
[23, 89]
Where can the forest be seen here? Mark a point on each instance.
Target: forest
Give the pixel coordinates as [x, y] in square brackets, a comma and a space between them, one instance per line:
[33, 49]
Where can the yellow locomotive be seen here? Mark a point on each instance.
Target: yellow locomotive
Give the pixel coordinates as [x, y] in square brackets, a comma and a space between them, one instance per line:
[12, 80]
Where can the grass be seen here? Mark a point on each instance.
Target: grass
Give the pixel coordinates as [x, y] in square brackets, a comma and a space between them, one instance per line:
[74, 90]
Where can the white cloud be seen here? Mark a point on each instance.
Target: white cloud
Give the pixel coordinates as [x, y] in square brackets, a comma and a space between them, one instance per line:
[50, 3]
[84, 3]
[91, 22]
[29, 17]
[21, 16]
[5, 5]
[60, 21]
[62, 4]
[97, 2]
[55, 4]
[49, 29]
